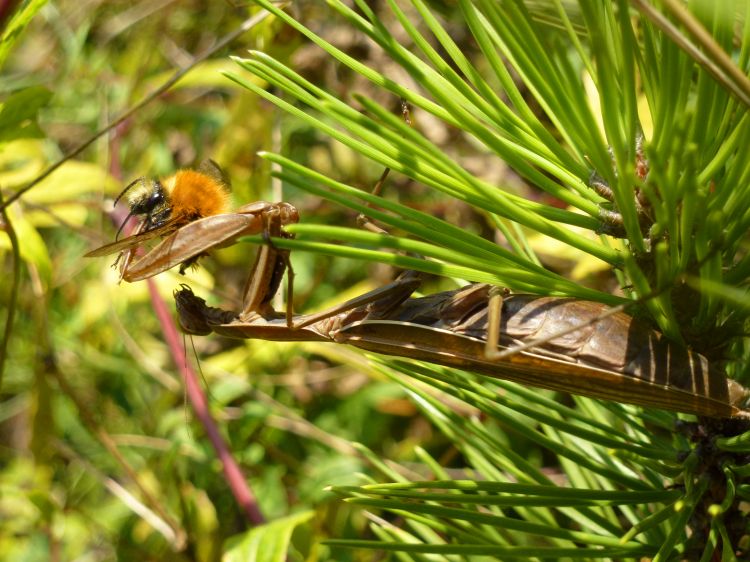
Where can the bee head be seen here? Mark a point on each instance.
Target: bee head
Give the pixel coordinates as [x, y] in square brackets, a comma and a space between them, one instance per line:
[148, 198]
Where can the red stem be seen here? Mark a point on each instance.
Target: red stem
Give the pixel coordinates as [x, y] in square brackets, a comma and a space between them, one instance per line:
[241, 491]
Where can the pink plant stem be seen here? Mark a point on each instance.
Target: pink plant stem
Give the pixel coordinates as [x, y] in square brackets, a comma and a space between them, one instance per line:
[241, 491]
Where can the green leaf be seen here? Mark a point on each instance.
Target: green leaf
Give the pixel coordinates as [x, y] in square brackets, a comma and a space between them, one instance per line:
[21, 161]
[19, 112]
[24, 14]
[70, 181]
[267, 543]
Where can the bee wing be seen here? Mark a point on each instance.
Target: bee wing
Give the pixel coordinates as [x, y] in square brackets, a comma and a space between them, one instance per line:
[194, 239]
[131, 241]
[214, 171]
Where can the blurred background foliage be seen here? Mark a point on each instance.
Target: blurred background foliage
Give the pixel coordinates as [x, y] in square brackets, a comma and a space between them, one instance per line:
[75, 67]
[87, 366]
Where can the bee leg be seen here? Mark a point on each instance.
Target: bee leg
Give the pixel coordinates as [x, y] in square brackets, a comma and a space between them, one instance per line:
[191, 262]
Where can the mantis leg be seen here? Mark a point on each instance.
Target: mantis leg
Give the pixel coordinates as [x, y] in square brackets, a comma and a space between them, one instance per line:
[494, 317]
[363, 220]
[271, 263]
[267, 272]
[377, 302]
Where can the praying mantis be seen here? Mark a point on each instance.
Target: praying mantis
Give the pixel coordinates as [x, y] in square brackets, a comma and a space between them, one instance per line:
[561, 344]
[475, 328]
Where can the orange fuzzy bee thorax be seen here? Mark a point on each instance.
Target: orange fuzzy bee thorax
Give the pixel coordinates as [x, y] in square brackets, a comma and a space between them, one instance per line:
[194, 195]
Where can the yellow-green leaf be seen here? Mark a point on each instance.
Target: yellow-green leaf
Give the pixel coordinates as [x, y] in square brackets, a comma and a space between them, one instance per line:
[267, 543]
[32, 248]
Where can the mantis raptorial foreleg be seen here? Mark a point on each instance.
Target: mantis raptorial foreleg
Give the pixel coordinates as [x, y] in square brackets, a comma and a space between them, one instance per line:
[199, 319]
[271, 263]
[265, 276]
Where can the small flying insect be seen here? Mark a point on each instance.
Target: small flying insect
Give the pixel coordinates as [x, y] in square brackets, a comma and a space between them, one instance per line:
[167, 205]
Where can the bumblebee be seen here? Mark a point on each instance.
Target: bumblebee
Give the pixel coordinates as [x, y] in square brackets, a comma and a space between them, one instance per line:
[170, 203]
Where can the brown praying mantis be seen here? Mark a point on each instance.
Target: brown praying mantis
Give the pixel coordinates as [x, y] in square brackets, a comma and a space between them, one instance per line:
[561, 344]
[477, 328]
